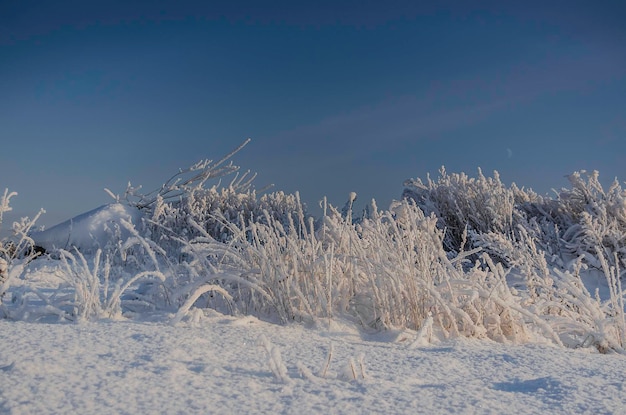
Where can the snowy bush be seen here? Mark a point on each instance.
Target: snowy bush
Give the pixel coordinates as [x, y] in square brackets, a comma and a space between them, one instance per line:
[215, 211]
[546, 244]
[480, 204]
[389, 270]
[16, 250]
[597, 219]
[575, 223]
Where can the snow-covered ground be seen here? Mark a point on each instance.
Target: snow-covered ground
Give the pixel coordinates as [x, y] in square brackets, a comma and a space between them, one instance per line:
[221, 364]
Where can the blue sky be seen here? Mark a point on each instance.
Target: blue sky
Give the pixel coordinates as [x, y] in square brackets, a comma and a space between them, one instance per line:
[337, 96]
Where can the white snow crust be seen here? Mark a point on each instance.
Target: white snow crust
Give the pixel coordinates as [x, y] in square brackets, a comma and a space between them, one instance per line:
[218, 364]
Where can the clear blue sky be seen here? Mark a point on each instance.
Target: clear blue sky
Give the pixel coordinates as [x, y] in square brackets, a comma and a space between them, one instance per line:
[337, 96]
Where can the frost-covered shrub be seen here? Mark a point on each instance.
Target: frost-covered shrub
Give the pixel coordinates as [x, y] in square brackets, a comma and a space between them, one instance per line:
[411, 278]
[215, 211]
[245, 264]
[578, 317]
[389, 270]
[573, 224]
[482, 204]
[184, 207]
[579, 221]
[598, 220]
[16, 250]
[265, 256]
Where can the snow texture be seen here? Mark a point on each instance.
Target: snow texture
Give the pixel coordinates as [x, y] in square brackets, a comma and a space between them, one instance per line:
[221, 364]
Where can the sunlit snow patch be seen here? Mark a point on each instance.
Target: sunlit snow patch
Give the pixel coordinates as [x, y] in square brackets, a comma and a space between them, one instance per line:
[91, 230]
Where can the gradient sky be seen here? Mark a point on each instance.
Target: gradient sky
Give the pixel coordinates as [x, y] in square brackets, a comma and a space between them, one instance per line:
[337, 96]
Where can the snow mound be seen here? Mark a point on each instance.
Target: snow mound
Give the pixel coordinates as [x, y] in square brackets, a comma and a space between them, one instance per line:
[91, 230]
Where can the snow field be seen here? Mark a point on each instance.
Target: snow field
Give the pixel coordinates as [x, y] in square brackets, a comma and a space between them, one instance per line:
[220, 364]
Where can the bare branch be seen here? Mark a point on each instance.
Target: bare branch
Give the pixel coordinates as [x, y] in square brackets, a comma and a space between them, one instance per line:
[190, 179]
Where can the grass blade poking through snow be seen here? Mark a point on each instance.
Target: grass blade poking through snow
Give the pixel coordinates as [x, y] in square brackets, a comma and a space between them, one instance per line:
[182, 311]
[275, 361]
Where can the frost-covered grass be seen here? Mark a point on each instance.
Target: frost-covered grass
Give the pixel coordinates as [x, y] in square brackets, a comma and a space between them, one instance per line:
[456, 257]
[17, 251]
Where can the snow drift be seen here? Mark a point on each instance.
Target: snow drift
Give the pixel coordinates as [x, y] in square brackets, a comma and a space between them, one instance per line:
[91, 230]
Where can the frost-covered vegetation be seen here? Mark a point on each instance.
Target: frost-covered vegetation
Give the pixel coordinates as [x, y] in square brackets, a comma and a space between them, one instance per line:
[456, 256]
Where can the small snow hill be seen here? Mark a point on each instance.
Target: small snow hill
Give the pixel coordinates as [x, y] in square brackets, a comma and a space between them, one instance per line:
[91, 230]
